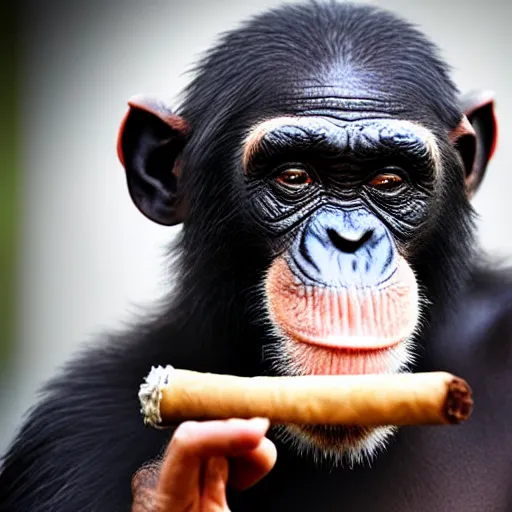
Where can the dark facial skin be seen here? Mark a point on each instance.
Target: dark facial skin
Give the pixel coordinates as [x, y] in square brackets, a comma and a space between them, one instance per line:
[342, 161]
[321, 158]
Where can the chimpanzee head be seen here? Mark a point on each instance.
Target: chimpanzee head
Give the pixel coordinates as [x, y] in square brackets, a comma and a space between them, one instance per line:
[322, 156]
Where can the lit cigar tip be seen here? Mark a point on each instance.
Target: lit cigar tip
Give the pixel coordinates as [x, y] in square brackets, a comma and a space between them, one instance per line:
[150, 394]
[459, 403]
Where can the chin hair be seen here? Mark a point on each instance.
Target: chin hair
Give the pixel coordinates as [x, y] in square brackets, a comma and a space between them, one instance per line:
[332, 447]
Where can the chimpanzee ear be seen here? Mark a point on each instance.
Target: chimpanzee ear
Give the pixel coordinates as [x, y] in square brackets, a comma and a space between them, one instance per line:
[150, 140]
[476, 135]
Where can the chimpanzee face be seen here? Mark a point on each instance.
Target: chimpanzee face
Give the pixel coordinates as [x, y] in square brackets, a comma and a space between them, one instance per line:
[344, 201]
[356, 161]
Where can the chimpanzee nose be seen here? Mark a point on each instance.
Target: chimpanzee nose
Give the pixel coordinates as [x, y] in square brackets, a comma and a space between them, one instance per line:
[347, 243]
[345, 248]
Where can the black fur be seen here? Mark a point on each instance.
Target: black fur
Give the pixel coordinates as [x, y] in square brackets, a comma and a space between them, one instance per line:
[80, 446]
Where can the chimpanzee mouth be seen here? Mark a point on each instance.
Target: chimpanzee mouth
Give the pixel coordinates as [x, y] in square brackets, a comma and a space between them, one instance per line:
[309, 359]
[327, 330]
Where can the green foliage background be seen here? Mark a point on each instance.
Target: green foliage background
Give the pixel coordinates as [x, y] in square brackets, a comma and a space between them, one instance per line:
[9, 174]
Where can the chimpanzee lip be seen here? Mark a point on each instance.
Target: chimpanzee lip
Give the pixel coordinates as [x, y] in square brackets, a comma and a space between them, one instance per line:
[352, 344]
[314, 359]
[357, 319]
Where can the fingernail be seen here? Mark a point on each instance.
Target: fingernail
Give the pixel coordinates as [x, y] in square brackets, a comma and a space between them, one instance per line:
[260, 423]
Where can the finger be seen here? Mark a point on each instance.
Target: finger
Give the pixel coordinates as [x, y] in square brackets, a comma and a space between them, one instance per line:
[215, 477]
[249, 469]
[194, 442]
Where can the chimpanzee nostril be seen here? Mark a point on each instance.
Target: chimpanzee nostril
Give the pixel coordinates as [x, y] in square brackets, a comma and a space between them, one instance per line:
[346, 244]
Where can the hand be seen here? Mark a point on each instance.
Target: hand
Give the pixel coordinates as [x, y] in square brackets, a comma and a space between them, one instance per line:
[200, 461]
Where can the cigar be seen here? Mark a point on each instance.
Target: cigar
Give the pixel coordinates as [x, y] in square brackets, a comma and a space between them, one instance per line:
[169, 396]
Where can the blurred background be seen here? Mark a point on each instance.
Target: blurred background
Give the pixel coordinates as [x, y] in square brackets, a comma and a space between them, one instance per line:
[76, 257]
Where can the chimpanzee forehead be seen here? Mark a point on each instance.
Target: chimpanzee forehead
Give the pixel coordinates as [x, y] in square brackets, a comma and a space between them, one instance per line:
[363, 134]
[345, 93]
[350, 100]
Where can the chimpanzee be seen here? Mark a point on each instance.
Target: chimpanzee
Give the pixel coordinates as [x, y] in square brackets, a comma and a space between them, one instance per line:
[321, 163]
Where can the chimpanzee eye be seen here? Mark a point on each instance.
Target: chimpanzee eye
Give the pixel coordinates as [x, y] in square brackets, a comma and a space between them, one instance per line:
[294, 178]
[386, 181]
